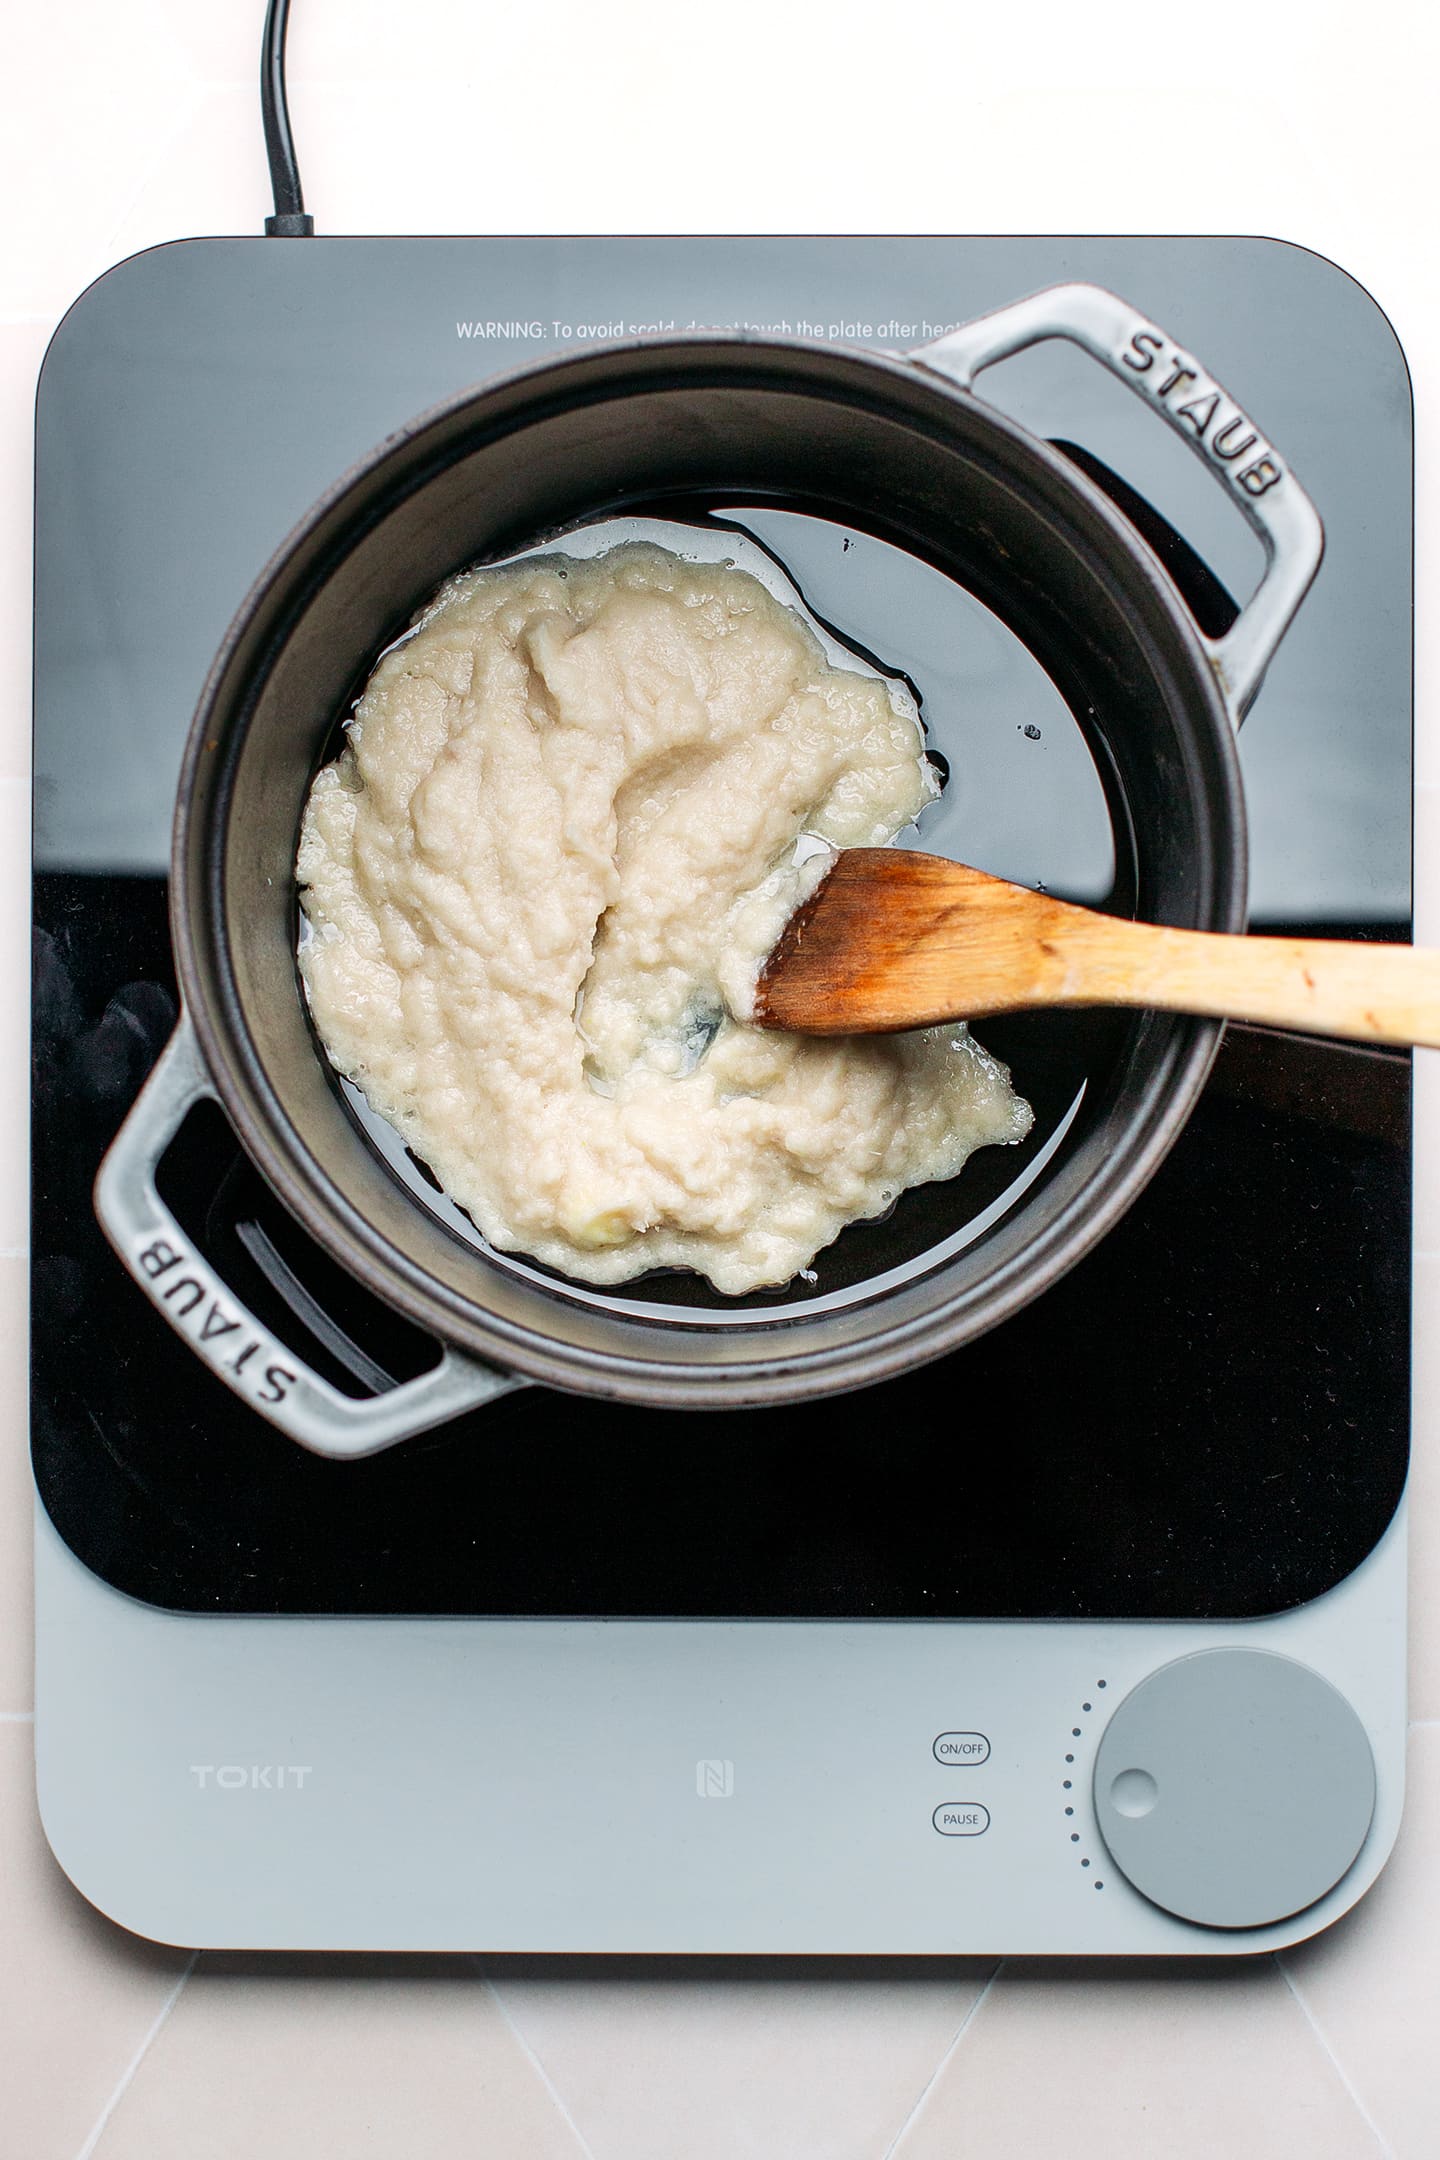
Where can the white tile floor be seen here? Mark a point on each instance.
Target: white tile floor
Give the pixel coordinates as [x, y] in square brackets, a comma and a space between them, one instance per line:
[418, 2062]
[777, 2059]
[1157, 2066]
[126, 126]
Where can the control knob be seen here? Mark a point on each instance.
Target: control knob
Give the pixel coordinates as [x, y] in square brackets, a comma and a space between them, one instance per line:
[1234, 1787]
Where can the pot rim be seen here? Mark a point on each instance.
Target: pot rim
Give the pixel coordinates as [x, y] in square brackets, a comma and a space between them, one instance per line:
[341, 1229]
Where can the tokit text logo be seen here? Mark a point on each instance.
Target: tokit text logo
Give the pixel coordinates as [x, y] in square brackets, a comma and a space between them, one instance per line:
[250, 1777]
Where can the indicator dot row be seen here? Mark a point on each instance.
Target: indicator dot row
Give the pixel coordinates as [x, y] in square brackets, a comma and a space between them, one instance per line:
[1068, 1784]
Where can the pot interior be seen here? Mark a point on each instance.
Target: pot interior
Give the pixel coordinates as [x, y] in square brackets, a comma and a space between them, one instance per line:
[1086, 747]
[1022, 796]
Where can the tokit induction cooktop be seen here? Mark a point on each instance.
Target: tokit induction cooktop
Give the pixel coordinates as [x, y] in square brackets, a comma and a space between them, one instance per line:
[1088, 1636]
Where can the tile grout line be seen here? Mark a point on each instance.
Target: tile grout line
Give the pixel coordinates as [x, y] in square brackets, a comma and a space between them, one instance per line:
[135, 2061]
[930, 2082]
[531, 2057]
[17, 1717]
[1333, 2059]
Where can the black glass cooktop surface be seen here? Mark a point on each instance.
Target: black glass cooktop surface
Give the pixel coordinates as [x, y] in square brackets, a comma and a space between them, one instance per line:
[1207, 1417]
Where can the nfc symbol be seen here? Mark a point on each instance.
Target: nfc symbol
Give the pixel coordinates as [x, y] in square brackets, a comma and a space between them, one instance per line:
[714, 1778]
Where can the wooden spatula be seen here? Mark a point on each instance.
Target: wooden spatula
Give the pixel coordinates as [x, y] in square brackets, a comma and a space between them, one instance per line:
[893, 940]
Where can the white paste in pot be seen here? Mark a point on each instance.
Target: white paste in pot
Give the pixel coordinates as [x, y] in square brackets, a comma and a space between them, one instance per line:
[541, 880]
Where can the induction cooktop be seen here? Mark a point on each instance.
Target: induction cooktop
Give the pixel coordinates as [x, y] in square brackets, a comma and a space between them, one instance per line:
[1089, 1636]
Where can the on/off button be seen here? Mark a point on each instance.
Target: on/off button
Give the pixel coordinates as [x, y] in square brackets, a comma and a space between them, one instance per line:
[961, 1747]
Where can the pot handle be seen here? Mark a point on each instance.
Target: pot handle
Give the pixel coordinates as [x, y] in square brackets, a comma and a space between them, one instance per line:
[1203, 415]
[237, 1347]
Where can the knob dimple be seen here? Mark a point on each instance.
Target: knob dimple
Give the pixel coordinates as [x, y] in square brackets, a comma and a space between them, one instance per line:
[1234, 1787]
[1133, 1792]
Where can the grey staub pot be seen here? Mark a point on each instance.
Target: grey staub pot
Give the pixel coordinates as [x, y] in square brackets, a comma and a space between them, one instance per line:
[895, 445]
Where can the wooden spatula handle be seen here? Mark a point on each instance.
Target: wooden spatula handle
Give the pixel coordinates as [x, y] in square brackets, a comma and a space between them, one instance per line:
[1372, 992]
[892, 938]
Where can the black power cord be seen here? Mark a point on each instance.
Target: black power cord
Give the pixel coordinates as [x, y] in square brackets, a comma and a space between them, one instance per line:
[290, 221]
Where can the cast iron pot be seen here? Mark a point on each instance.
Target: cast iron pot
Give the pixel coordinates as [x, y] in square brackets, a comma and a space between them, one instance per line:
[898, 446]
